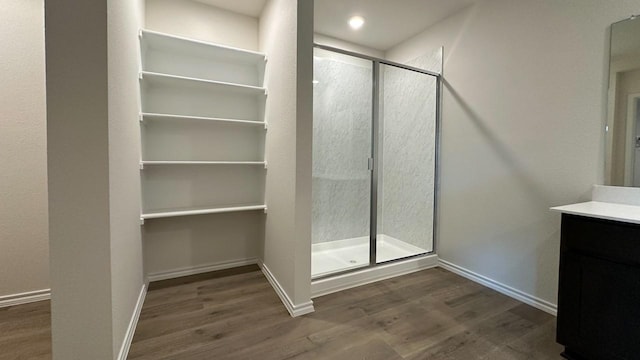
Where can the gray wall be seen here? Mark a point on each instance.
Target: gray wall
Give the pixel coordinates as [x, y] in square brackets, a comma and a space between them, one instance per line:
[524, 109]
[24, 258]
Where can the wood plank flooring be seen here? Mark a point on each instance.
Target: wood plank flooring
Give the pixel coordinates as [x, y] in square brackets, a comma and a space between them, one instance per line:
[25, 331]
[431, 314]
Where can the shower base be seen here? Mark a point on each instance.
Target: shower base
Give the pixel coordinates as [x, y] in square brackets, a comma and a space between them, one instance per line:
[340, 255]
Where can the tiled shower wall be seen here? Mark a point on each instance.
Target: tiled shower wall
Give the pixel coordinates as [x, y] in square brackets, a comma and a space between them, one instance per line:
[342, 105]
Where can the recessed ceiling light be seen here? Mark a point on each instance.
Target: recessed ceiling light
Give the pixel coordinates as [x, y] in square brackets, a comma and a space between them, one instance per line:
[356, 22]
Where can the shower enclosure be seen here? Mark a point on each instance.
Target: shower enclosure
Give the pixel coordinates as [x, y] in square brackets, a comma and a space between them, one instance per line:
[375, 138]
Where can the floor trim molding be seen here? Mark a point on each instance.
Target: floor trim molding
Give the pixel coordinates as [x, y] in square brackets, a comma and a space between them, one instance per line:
[536, 302]
[128, 337]
[199, 269]
[25, 298]
[293, 309]
[369, 275]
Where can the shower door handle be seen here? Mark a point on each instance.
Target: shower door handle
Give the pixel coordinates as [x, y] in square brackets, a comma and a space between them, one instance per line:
[370, 164]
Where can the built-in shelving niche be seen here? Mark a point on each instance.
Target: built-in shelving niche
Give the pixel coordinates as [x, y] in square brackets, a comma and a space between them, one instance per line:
[169, 54]
[169, 187]
[202, 127]
[166, 94]
[184, 140]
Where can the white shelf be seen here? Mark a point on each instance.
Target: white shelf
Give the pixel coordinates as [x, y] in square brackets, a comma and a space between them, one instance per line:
[154, 116]
[173, 162]
[185, 83]
[197, 48]
[200, 211]
[158, 79]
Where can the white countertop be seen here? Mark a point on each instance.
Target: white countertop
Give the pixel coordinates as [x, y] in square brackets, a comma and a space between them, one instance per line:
[603, 210]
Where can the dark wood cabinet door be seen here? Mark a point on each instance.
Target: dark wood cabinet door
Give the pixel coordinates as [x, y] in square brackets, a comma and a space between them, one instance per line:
[599, 307]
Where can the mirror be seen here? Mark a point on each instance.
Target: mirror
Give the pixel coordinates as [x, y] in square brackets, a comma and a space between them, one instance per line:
[622, 164]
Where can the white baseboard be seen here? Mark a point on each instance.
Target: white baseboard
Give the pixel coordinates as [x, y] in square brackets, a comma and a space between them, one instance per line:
[369, 275]
[536, 302]
[293, 309]
[25, 298]
[200, 269]
[128, 338]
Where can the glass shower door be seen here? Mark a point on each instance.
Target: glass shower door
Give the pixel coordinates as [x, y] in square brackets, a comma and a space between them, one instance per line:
[406, 163]
[342, 146]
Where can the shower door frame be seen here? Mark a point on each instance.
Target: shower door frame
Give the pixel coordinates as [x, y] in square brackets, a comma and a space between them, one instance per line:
[375, 141]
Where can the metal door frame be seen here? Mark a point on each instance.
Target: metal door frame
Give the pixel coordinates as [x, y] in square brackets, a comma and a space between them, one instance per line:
[375, 142]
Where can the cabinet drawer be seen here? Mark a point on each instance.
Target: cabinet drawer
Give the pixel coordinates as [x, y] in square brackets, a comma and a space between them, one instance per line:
[613, 240]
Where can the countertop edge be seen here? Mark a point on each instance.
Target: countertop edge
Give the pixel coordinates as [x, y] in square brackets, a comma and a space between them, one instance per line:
[602, 210]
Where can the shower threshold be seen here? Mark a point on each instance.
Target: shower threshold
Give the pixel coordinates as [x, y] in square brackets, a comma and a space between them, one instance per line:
[341, 255]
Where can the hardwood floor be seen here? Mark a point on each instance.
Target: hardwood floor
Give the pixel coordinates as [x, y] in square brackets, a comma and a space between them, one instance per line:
[25, 332]
[432, 314]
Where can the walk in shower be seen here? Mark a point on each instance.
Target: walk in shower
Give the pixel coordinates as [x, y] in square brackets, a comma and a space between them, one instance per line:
[375, 139]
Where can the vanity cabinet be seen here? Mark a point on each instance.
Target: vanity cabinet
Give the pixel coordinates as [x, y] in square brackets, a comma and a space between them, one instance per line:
[599, 290]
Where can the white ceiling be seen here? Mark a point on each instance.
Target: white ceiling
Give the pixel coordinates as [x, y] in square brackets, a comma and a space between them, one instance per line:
[388, 22]
[247, 7]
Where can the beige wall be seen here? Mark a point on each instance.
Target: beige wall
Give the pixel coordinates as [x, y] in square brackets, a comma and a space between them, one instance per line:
[287, 248]
[304, 138]
[78, 164]
[204, 22]
[523, 117]
[24, 243]
[94, 192]
[278, 39]
[124, 19]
